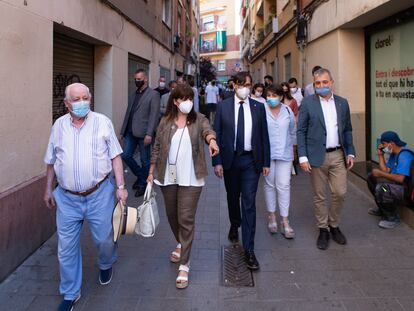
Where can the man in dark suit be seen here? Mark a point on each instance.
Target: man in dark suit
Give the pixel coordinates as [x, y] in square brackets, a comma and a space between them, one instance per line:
[325, 150]
[140, 122]
[242, 137]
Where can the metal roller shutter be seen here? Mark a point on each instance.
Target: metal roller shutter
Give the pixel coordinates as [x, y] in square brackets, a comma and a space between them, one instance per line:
[73, 61]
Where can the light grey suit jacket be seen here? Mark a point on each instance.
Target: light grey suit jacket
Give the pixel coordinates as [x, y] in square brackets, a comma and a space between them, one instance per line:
[146, 115]
[312, 129]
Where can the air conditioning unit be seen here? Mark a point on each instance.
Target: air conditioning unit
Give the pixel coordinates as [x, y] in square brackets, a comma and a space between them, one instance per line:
[176, 41]
[275, 25]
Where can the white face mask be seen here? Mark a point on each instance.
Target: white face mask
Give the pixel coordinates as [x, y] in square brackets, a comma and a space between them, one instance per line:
[293, 90]
[258, 94]
[186, 106]
[162, 85]
[243, 92]
[387, 150]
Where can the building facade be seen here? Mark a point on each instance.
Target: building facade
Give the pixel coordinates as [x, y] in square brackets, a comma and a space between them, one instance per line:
[268, 41]
[219, 36]
[46, 45]
[365, 44]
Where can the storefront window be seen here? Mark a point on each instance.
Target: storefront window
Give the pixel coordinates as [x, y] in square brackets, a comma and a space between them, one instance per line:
[392, 83]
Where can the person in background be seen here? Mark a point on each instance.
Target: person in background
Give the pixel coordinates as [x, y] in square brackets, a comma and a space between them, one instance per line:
[196, 97]
[179, 159]
[164, 98]
[295, 91]
[140, 122]
[257, 93]
[212, 98]
[282, 134]
[162, 89]
[387, 183]
[229, 91]
[289, 100]
[310, 89]
[181, 80]
[268, 81]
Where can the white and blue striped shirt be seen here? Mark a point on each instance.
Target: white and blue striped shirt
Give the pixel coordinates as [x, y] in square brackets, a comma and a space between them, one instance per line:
[82, 157]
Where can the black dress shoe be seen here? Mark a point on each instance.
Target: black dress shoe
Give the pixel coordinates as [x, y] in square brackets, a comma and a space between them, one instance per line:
[337, 235]
[234, 234]
[251, 260]
[140, 192]
[323, 239]
[136, 185]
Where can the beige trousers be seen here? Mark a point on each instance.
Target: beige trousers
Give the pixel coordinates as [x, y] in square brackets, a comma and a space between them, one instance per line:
[333, 172]
[181, 205]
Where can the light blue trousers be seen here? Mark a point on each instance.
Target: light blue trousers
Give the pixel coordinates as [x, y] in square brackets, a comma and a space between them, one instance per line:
[72, 210]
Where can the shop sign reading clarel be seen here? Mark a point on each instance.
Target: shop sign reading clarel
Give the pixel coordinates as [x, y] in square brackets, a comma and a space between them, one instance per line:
[392, 83]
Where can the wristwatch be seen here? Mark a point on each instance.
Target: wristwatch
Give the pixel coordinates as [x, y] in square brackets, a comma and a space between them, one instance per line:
[121, 187]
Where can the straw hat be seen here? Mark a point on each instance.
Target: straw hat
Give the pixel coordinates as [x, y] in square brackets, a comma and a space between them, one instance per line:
[124, 220]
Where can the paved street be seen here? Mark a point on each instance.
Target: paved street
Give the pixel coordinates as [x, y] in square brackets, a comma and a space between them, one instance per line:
[375, 271]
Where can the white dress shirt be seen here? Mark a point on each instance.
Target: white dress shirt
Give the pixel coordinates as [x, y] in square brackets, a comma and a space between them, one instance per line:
[185, 165]
[82, 157]
[331, 121]
[247, 122]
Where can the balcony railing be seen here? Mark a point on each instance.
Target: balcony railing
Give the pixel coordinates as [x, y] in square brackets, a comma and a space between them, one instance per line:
[213, 27]
[210, 49]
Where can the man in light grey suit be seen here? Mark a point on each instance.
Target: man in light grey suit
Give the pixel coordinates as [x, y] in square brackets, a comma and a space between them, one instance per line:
[138, 129]
[326, 150]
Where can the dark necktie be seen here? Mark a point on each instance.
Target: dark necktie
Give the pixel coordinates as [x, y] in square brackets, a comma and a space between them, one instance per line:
[240, 130]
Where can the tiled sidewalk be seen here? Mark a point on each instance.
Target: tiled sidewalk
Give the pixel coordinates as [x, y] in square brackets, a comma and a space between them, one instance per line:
[375, 271]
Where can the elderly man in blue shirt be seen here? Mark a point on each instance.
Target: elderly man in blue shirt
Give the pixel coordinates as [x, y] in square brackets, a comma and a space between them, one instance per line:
[82, 152]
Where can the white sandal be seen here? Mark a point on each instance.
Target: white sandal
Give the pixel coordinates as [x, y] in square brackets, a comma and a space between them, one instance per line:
[272, 224]
[182, 281]
[175, 256]
[287, 230]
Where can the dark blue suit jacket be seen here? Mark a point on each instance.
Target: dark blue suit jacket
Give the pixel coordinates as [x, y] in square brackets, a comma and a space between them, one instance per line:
[312, 129]
[224, 126]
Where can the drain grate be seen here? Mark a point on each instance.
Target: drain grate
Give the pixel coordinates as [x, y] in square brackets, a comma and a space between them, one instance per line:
[234, 268]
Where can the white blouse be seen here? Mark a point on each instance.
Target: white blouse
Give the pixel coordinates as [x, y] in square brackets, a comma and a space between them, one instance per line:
[185, 165]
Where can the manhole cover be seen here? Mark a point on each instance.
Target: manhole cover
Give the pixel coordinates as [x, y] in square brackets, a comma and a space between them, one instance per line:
[235, 271]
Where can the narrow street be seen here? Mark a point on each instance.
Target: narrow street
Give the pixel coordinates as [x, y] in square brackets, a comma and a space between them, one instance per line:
[375, 271]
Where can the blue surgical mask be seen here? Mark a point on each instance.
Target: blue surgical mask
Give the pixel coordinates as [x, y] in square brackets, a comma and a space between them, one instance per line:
[323, 91]
[81, 108]
[273, 102]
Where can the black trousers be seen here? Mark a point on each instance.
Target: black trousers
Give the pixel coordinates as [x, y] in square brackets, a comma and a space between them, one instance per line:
[241, 182]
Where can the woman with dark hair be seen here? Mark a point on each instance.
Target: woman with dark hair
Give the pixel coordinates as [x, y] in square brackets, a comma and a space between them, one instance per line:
[178, 156]
[281, 129]
[289, 100]
[257, 93]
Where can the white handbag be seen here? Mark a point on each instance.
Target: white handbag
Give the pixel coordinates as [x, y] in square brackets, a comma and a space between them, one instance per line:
[147, 217]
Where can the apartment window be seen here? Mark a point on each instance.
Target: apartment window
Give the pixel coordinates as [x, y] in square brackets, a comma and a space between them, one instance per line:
[166, 12]
[221, 65]
[288, 67]
[208, 23]
[221, 22]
